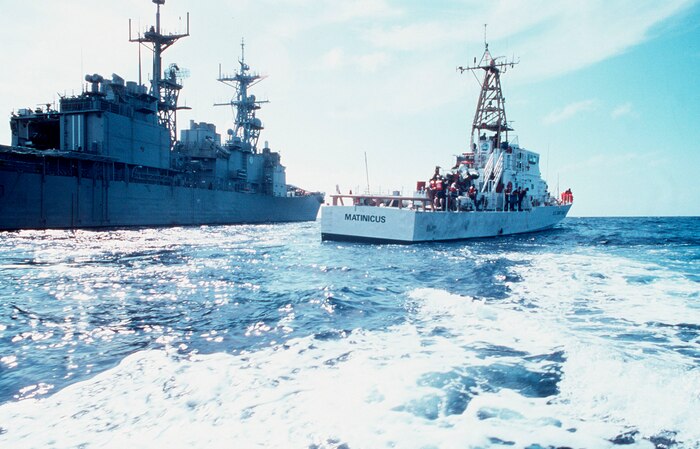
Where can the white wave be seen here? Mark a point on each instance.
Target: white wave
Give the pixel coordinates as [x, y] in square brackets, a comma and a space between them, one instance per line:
[618, 321]
[368, 390]
[352, 391]
[652, 395]
[616, 286]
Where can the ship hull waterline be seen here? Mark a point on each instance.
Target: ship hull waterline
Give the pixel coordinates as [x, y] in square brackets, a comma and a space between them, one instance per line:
[370, 224]
[33, 201]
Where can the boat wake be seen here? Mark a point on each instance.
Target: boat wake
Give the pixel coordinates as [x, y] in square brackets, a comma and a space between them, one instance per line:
[459, 372]
[540, 341]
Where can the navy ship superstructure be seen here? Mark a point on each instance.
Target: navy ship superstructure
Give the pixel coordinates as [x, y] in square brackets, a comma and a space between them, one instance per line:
[108, 158]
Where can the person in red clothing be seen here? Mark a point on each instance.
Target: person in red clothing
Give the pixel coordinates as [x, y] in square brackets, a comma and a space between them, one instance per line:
[453, 194]
[472, 196]
[567, 197]
[440, 190]
[436, 190]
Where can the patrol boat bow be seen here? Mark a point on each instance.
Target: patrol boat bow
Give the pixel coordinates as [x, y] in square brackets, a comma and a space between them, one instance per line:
[494, 189]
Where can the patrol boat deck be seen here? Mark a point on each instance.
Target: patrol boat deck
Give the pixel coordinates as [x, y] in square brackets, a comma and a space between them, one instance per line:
[403, 219]
[494, 189]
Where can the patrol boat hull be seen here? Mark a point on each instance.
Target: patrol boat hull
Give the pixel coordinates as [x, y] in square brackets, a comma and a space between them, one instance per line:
[373, 224]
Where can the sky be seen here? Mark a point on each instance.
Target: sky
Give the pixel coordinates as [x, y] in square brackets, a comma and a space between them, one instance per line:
[608, 92]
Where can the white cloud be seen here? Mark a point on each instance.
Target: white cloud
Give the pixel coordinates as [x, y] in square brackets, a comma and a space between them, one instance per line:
[292, 18]
[333, 59]
[568, 111]
[415, 36]
[336, 59]
[551, 38]
[371, 61]
[348, 10]
[621, 110]
[580, 34]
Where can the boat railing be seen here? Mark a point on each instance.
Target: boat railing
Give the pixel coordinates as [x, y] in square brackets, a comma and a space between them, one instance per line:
[414, 202]
[498, 170]
[487, 171]
[488, 202]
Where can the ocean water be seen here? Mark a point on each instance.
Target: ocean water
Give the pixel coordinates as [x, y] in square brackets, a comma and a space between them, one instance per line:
[585, 336]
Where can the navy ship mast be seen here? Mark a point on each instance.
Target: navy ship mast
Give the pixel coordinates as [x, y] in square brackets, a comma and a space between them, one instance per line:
[247, 125]
[165, 86]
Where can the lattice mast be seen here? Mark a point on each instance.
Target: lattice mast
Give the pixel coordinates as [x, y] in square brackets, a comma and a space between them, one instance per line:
[247, 125]
[165, 86]
[490, 109]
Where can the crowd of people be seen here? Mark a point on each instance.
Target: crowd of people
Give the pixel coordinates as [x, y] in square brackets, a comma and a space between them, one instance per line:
[448, 192]
[444, 191]
[513, 198]
[567, 197]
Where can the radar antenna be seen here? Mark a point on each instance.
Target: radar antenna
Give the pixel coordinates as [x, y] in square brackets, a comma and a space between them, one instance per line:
[490, 109]
[165, 85]
[247, 125]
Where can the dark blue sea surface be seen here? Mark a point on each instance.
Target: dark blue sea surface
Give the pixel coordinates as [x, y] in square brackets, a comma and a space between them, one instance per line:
[587, 335]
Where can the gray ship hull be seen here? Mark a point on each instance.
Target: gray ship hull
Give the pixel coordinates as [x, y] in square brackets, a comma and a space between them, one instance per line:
[36, 201]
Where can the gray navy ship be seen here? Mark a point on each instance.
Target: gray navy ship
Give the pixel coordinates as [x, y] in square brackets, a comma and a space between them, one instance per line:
[110, 157]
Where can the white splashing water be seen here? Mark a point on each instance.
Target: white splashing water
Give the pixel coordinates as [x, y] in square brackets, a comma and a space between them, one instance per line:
[365, 390]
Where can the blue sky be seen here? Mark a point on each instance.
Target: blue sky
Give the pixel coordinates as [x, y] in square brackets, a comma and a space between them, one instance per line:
[608, 92]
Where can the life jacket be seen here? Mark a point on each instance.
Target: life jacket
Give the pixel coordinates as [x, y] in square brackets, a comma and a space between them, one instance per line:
[438, 184]
[432, 184]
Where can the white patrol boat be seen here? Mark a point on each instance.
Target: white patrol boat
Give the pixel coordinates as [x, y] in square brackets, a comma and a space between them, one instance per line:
[494, 189]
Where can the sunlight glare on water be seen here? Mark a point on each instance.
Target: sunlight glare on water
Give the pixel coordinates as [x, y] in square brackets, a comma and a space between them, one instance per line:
[262, 336]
